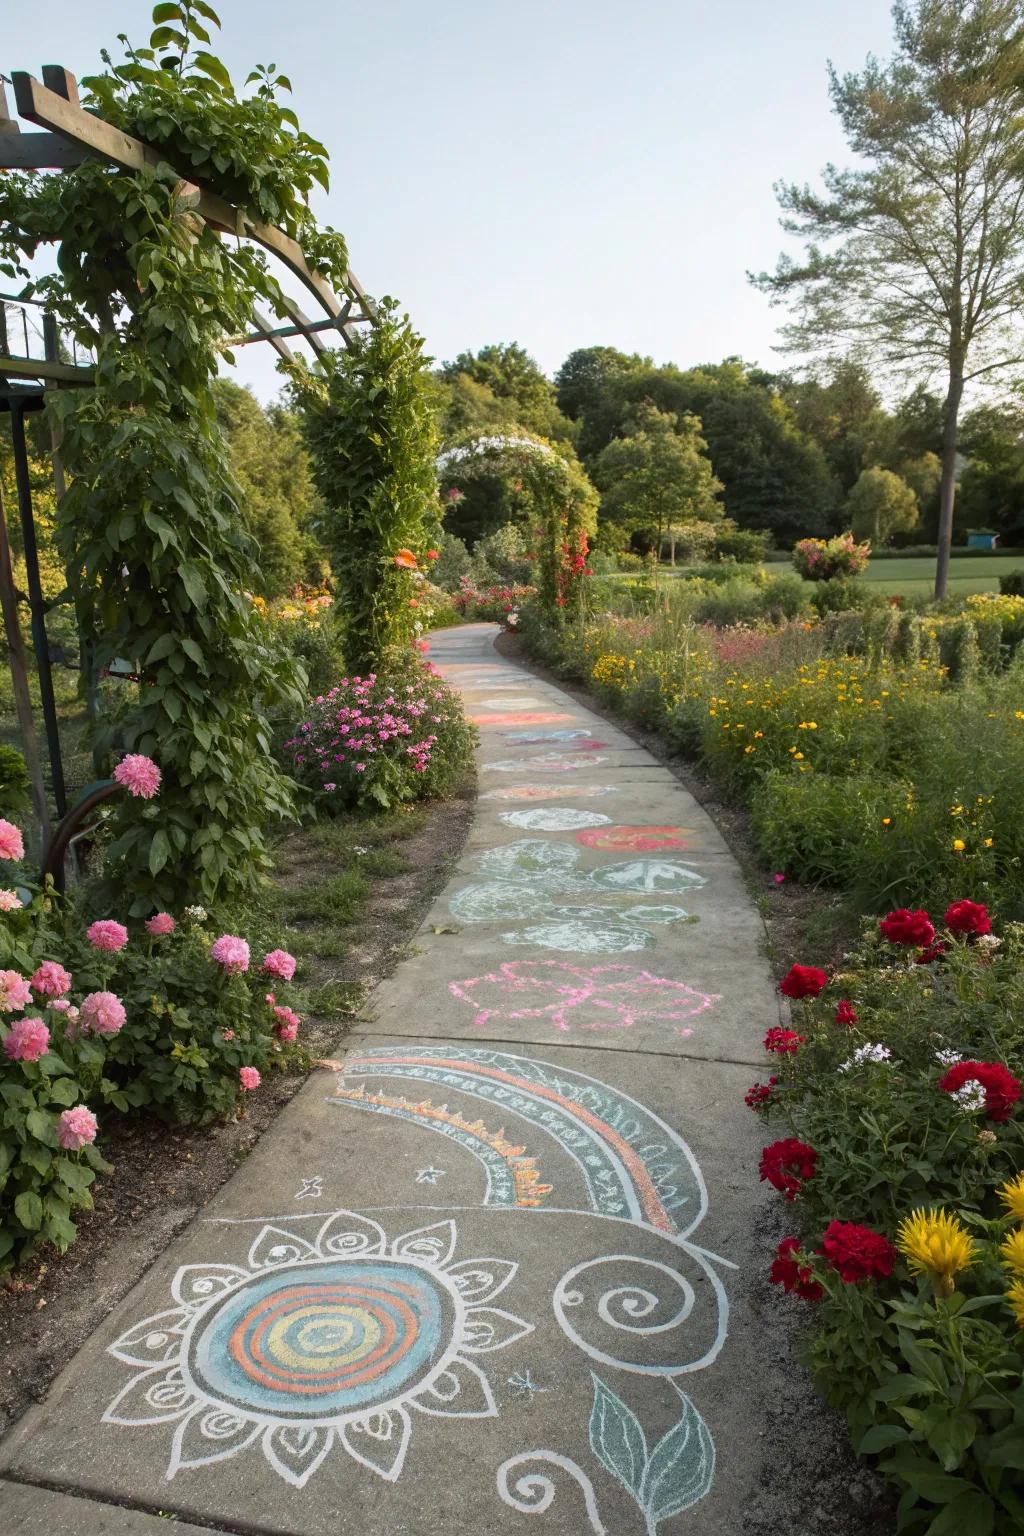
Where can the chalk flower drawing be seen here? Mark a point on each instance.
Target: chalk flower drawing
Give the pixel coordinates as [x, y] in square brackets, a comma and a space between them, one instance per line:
[603, 997]
[317, 1346]
[556, 818]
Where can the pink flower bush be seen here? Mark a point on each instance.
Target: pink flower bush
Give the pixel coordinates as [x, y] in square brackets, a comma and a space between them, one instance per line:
[287, 1026]
[160, 925]
[279, 963]
[12, 845]
[106, 934]
[249, 1078]
[228, 1034]
[102, 1013]
[231, 952]
[27, 1040]
[15, 992]
[139, 775]
[51, 980]
[10, 901]
[77, 1128]
[602, 997]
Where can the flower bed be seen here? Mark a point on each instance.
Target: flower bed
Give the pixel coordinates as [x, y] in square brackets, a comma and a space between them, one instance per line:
[900, 1148]
[491, 604]
[382, 740]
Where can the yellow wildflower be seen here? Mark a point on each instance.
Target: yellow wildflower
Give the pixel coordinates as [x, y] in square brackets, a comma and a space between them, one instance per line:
[1015, 1296]
[934, 1242]
[886, 821]
[988, 842]
[959, 845]
[1012, 1195]
[1012, 1250]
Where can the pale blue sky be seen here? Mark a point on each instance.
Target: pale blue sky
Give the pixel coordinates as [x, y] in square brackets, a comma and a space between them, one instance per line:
[559, 174]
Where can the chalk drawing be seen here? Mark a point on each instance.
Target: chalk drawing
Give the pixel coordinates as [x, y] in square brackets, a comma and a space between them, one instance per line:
[523, 1385]
[583, 937]
[317, 1346]
[310, 1189]
[506, 703]
[648, 875]
[429, 1175]
[491, 900]
[547, 762]
[535, 861]
[559, 819]
[538, 738]
[570, 996]
[549, 791]
[519, 717]
[637, 839]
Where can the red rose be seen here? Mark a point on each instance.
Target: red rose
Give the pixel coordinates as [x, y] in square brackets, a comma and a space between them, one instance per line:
[931, 954]
[757, 1096]
[856, 1252]
[785, 1042]
[845, 1013]
[1002, 1089]
[803, 981]
[785, 1163]
[968, 917]
[905, 927]
[794, 1277]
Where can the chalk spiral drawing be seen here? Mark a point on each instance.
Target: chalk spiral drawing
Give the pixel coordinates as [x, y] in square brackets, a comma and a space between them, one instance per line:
[558, 819]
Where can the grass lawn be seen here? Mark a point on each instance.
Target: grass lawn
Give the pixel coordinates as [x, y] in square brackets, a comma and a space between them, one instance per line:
[915, 575]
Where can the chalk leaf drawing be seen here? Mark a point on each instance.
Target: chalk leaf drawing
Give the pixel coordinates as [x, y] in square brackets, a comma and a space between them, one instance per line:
[556, 819]
[635, 839]
[648, 875]
[666, 1481]
[563, 995]
[317, 1346]
[549, 791]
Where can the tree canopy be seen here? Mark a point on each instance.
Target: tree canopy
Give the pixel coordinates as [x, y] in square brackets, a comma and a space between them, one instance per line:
[657, 478]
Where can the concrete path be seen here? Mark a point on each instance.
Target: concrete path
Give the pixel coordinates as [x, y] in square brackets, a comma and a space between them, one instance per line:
[481, 1280]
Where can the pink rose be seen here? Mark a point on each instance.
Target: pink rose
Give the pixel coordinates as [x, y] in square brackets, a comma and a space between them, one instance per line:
[10, 901]
[27, 1040]
[287, 1026]
[139, 775]
[15, 992]
[102, 1013]
[279, 963]
[249, 1078]
[12, 845]
[231, 952]
[107, 934]
[228, 1034]
[160, 925]
[76, 1128]
[51, 979]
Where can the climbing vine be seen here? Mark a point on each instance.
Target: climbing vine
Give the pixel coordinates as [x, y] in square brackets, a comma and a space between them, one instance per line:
[156, 551]
[372, 436]
[555, 503]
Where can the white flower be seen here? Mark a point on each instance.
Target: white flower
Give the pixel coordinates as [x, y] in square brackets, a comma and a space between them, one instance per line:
[970, 1097]
[197, 914]
[866, 1053]
[988, 941]
[948, 1058]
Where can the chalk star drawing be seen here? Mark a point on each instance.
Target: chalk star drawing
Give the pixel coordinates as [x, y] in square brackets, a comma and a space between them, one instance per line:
[311, 1189]
[429, 1175]
[647, 1316]
[563, 995]
[317, 1346]
[523, 1385]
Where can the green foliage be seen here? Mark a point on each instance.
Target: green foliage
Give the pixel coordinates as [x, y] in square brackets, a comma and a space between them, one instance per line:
[276, 495]
[512, 378]
[657, 479]
[14, 782]
[881, 504]
[372, 438]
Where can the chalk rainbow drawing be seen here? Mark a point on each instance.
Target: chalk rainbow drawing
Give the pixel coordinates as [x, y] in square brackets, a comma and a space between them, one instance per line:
[636, 839]
[558, 819]
[546, 762]
[519, 717]
[539, 738]
[319, 1344]
[517, 703]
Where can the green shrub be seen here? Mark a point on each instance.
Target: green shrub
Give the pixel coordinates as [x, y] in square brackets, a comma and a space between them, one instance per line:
[1012, 584]
[14, 782]
[744, 544]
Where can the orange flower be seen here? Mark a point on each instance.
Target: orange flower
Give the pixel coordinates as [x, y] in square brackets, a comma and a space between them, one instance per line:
[406, 559]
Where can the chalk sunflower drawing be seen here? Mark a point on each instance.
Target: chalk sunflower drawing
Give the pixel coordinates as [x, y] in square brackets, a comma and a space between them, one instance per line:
[318, 1346]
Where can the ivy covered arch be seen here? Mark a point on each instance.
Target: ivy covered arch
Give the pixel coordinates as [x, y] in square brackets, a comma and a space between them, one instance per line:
[554, 499]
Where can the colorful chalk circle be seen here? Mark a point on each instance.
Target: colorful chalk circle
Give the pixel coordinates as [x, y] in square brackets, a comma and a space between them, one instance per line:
[636, 839]
[536, 862]
[549, 791]
[491, 900]
[648, 875]
[538, 738]
[583, 938]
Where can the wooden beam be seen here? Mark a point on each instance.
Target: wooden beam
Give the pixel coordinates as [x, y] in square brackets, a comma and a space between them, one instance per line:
[38, 151]
[39, 368]
[61, 81]
[7, 123]
[19, 679]
[305, 327]
[268, 333]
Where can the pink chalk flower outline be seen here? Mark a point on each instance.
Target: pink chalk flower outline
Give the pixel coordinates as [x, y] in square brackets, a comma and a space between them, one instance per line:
[601, 997]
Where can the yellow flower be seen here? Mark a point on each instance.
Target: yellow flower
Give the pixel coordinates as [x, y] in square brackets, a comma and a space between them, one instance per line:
[959, 845]
[1015, 1296]
[1012, 1250]
[934, 1242]
[988, 842]
[797, 756]
[1012, 1195]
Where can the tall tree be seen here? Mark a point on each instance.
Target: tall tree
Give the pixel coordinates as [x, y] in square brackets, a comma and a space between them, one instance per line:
[916, 260]
[658, 477]
[881, 504]
[511, 374]
[581, 381]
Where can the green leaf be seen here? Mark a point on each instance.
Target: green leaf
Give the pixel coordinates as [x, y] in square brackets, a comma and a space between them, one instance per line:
[168, 11]
[193, 583]
[194, 651]
[159, 851]
[972, 1514]
[924, 1477]
[41, 1125]
[616, 1438]
[28, 1208]
[64, 1091]
[880, 1437]
[209, 64]
[681, 1469]
[161, 647]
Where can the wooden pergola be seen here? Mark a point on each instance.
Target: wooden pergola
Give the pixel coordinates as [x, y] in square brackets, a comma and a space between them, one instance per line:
[64, 135]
